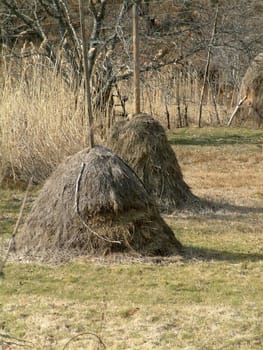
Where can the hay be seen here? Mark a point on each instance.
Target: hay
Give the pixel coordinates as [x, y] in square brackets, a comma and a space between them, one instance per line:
[251, 112]
[141, 141]
[94, 204]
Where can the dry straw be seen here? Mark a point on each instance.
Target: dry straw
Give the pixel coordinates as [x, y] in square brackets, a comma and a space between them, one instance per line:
[251, 111]
[141, 141]
[99, 208]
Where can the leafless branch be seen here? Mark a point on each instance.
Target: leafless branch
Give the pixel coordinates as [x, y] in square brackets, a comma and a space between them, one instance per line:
[71, 28]
[100, 342]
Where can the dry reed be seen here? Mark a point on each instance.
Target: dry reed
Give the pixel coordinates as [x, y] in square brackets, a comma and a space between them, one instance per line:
[179, 90]
[41, 120]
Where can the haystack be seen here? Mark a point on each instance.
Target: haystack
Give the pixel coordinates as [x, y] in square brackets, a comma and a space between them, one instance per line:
[251, 111]
[94, 203]
[141, 141]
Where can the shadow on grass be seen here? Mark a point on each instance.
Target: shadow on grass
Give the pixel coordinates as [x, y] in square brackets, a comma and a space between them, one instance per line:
[215, 140]
[206, 254]
[206, 205]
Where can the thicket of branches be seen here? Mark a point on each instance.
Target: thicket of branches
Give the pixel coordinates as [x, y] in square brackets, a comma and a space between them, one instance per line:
[172, 32]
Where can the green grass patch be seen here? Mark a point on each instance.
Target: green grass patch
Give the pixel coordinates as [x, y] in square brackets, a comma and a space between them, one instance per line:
[150, 301]
[10, 203]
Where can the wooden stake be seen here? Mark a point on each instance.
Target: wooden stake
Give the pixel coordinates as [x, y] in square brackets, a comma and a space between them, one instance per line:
[88, 108]
[136, 66]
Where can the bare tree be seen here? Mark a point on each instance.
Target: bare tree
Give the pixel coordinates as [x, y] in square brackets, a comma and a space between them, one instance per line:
[172, 32]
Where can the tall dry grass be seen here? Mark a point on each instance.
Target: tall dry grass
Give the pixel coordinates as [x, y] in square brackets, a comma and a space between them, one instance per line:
[41, 122]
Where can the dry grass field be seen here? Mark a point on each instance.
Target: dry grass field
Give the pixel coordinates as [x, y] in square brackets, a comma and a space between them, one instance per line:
[208, 299]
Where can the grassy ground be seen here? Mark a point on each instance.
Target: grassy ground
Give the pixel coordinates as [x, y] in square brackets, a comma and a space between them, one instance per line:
[209, 299]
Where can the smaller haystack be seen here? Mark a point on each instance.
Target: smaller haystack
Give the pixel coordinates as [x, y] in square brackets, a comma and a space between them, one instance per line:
[94, 203]
[141, 141]
[251, 111]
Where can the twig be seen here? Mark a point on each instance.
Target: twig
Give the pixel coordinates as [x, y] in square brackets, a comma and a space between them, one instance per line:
[10, 340]
[235, 110]
[38, 25]
[85, 333]
[12, 239]
[77, 188]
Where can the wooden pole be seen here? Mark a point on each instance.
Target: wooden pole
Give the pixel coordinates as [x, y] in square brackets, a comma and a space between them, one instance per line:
[207, 68]
[136, 65]
[88, 108]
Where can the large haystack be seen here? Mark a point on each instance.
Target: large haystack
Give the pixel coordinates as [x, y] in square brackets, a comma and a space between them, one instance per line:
[251, 112]
[94, 204]
[141, 141]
